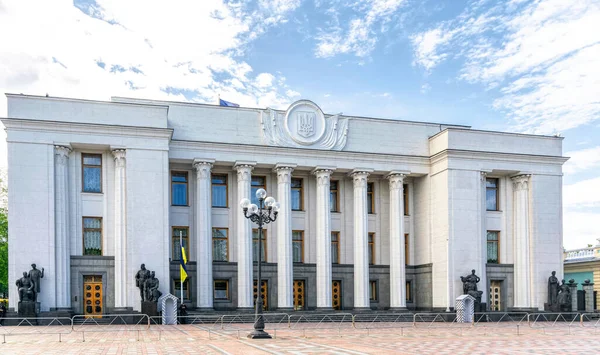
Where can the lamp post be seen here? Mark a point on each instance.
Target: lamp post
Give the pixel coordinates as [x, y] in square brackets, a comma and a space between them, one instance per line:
[260, 216]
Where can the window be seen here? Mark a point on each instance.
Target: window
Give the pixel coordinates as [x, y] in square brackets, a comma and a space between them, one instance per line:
[370, 199]
[220, 244]
[405, 189]
[373, 290]
[221, 289]
[298, 246]
[409, 291]
[334, 196]
[92, 236]
[258, 182]
[176, 251]
[219, 190]
[297, 204]
[371, 248]
[335, 247]
[179, 188]
[491, 194]
[255, 245]
[492, 247]
[406, 250]
[186, 288]
[92, 172]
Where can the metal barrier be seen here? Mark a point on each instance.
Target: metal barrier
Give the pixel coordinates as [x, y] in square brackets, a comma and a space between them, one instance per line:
[380, 321]
[433, 318]
[590, 320]
[500, 318]
[547, 320]
[35, 326]
[106, 323]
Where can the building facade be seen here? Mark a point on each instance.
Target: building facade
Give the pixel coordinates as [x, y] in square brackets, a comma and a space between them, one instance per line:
[581, 265]
[375, 213]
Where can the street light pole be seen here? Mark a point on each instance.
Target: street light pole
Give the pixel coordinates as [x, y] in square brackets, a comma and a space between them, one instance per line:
[260, 216]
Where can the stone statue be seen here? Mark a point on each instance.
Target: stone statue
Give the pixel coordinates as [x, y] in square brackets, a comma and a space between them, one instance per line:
[36, 275]
[470, 288]
[564, 297]
[553, 289]
[26, 288]
[140, 279]
[151, 289]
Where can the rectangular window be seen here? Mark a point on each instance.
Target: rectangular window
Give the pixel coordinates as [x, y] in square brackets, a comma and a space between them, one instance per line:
[186, 288]
[492, 247]
[370, 198]
[220, 244]
[335, 247]
[491, 194]
[409, 291]
[298, 246]
[334, 196]
[219, 190]
[179, 188]
[406, 250]
[297, 203]
[176, 251]
[371, 248]
[255, 245]
[221, 290]
[92, 172]
[258, 182]
[405, 199]
[92, 236]
[373, 290]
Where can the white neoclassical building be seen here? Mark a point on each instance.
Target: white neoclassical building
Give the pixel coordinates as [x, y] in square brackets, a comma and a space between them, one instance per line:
[375, 213]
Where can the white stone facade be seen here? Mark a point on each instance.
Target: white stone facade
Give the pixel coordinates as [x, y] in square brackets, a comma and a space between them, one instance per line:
[442, 167]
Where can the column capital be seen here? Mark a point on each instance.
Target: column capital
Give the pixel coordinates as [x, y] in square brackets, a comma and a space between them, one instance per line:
[203, 167]
[323, 170]
[396, 179]
[119, 155]
[284, 167]
[521, 182]
[239, 165]
[361, 172]
[62, 153]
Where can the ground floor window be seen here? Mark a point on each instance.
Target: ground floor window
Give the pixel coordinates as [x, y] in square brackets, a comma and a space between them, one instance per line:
[373, 290]
[221, 290]
[409, 291]
[186, 288]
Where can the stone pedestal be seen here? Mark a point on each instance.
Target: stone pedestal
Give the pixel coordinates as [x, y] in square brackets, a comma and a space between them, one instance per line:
[27, 309]
[150, 308]
[573, 290]
[588, 287]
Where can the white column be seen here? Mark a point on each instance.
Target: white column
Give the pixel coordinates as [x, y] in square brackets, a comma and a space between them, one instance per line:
[522, 283]
[203, 209]
[361, 246]
[61, 215]
[120, 230]
[323, 237]
[483, 284]
[285, 271]
[244, 237]
[397, 256]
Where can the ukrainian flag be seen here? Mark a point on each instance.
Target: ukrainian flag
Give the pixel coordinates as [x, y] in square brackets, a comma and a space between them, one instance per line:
[182, 269]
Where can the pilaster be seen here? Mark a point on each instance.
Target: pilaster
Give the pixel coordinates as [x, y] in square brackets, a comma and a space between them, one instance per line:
[361, 247]
[61, 225]
[120, 235]
[323, 235]
[522, 243]
[244, 237]
[397, 252]
[285, 272]
[203, 206]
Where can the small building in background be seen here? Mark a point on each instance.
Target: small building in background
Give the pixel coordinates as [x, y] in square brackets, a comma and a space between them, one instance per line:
[583, 264]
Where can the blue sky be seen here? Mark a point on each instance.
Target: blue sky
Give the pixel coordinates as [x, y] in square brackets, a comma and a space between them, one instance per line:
[514, 65]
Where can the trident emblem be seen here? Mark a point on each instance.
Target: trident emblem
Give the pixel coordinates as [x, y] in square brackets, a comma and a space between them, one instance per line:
[306, 123]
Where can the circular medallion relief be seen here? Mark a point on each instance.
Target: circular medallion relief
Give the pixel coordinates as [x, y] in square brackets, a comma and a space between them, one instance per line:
[305, 122]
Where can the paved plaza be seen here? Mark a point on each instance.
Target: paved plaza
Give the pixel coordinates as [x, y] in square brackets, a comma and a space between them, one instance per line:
[192, 339]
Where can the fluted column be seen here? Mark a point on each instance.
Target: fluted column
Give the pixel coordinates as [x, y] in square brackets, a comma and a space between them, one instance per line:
[397, 256]
[323, 237]
[244, 238]
[285, 271]
[522, 283]
[361, 247]
[203, 207]
[61, 214]
[484, 288]
[120, 230]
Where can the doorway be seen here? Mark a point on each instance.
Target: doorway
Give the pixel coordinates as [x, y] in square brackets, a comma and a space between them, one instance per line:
[264, 286]
[299, 295]
[336, 294]
[92, 296]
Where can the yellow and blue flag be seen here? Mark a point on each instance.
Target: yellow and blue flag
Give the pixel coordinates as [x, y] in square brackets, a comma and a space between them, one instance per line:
[182, 270]
[227, 103]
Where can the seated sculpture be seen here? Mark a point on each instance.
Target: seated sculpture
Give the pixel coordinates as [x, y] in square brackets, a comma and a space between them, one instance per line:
[151, 289]
[564, 297]
[26, 288]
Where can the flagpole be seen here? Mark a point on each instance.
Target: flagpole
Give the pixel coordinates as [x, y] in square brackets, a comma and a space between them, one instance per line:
[180, 278]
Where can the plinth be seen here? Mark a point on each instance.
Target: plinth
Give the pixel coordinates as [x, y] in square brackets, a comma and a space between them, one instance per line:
[150, 308]
[27, 309]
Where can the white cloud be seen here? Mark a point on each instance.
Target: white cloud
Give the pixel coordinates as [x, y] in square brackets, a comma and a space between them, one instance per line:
[264, 80]
[425, 88]
[292, 93]
[585, 193]
[541, 55]
[582, 160]
[361, 34]
[580, 229]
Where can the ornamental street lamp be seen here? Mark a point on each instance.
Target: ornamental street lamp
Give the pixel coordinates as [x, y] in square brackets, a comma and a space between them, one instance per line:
[259, 216]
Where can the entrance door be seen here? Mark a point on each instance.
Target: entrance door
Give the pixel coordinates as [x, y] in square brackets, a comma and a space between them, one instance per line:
[336, 294]
[298, 295]
[495, 296]
[92, 296]
[264, 292]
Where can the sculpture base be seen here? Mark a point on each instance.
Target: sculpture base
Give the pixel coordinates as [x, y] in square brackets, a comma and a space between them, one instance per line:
[259, 334]
[27, 309]
[555, 308]
[150, 308]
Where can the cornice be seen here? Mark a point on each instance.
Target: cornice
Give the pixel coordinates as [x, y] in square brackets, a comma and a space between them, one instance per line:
[19, 124]
[479, 155]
